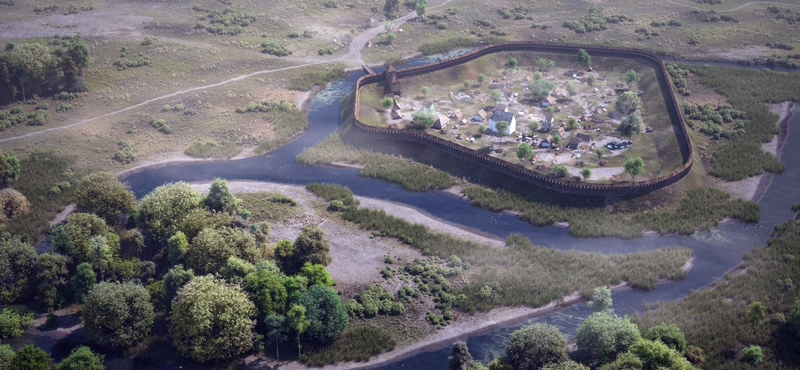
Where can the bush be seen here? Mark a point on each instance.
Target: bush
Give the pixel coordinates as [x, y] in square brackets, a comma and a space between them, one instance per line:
[161, 126]
[118, 315]
[535, 346]
[211, 149]
[125, 154]
[14, 320]
[274, 48]
[752, 354]
[358, 343]
[446, 45]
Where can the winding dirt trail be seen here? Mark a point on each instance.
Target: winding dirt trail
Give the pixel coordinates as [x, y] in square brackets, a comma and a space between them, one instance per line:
[354, 55]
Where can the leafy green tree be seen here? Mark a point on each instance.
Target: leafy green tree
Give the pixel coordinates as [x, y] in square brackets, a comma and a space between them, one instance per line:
[571, 123]
[118, 315]
[236, 269]
[557, 139]
[31, 358]
[481, 78]
[174, 280]
[391, 5]
[160, 212]
[53, 275]
[560, 170]
[544, 64]
[6, 355]
[104, 195]
[631, 76]
[533, 126]
[211, 248]
[298, 322]
[572, 88]
[310, 246]
[14, 320]
[584, 58]
[425, 117]
[657, 355]
[221, 199]
[631, 124]
[421, 8]
[481, 129]
[316, 274]
[755, 312]
[425, 90]
[277, 331]
[634, 166]
[326, 312]
[603, 336]
[670, 335]
[566, 365]
[78, 51]
[496, 95]
[600, 152]
[467, 84]
[541, 88]
[80, 229]
[536, 345]
[266, 289]
[82, 358]
[387, 102]
[17, 269]
[628, 102]
[200, 218]
[601, 296]
[524, 151]
[625, 361]
[511, 63]
[586, 172]
[177, 247]
[752, 354]
[459, 356]
[537, 76]
[501, 127]
[203, 336]
[100, 254]
[9, 169]
[590, 79]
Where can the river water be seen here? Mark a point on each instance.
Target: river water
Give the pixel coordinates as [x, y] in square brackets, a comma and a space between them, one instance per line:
[715, 252]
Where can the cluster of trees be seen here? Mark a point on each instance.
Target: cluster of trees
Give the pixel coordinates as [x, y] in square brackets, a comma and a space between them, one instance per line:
[629, 104]
[604, 341]
[182, 253]
[35, 68]
[30, 357]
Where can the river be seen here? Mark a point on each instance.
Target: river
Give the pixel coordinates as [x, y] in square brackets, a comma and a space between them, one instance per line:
[715, 252]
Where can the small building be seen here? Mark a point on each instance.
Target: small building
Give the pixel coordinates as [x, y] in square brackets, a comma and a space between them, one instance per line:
[546, 126]
[441, 122]
[499, 116]
[573, 142]
[550, 100]
[501, 108]
[585, 138]
[482, 113]
[395, 114]
[597, 120]
[456, 114]
[397, 105]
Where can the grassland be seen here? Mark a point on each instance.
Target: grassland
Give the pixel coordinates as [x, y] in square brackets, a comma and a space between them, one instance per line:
[269, 206]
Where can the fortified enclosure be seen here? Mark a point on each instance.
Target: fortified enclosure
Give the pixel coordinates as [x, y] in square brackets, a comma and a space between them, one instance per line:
[465, 97]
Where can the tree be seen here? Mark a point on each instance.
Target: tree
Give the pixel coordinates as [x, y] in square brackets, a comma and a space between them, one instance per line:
[631, 76]
[481, 78]
[481, 129]
[421, 8]
[387, 101]
[752, 354]
[511, 63]
[100, 254]
[601, 296]
[524, 151]
[31, 358]
[202, 336]
[572, 88]
[600, 152]
[533, 126]
[161, 211]
[9, 169]
[541, 88]
[557, 139]
[755, 312]
[82, 358]
[221, 199]
[628, 102]
[118, 315]
[425, 90]
[566, 365]
[496, 95]
[501, 127]
[634, 166]
[603, 336]
[537, 76]
[310, 246]
[316, 274]
[544, 64]
[53, 274]
[586, 172]
[104, 195]
[298, 322]
[467, 84]
[625, 361]
[236, 269]
[78, 51]
[177, 247]
[391, 5]
[12, 204]
[571, 123]
[560, 170]
[83, 281]
[78, 232]
[326, 313]
[14, 320]
[425, 117]
[200, 218]
[590, 79]
[657, 355]
[536, 345]
[584, 58]
[265, 288]
[174, 280]
[6, 355]
[17, 264]
[670, 335]
[631, 124]
[459, 356]
[211, 248]
[276, 331]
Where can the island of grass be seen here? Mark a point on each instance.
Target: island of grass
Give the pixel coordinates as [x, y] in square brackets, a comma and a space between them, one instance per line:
[558, 114]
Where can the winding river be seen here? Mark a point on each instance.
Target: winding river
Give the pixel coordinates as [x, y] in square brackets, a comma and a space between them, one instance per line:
[715, 252]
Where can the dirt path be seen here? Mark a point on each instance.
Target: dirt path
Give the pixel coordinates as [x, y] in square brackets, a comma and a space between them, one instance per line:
[732, 9]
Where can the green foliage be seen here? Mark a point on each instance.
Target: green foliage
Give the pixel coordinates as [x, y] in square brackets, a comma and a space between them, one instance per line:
[207, 337]
[6, 355]
[118, 315]
[326, 312]
[174, 279]
[104, 195]
[310, 246]
[387, 102]
[634, 166]
[320, 77]
[755, 312]
[541, 88]
[586, 172]
[524, 151]
[79, 230]
[17, 269]
[535, 346]
[373, 301]
[177, 247]
[752, 354]
[628, 102]
[83, 281]
[81, 358]
[236, 269]
[358, 343]
[603, 336]
[595, 21]
[657, 355]
[210, 249]
[511, 63]
[671, 335]
[265, 288]
[584, 58]
[317, 275]
[160, 212]
[161, 125]
[220, 198]
[284, 116]
[601, 299]
[31, 358]
[719, 122]
[424, 117]
[125, 154]
[631, 124]
[274, 48]
[14, 320]
[560, 170]
[123, 63]
[210, 149]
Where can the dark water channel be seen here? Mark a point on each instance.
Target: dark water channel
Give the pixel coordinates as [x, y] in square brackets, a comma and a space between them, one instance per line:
[715, 252]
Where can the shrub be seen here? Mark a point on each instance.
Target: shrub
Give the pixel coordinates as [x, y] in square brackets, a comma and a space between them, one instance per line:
[752, 354]
[118, 315]
[446, 45]
[274, 48]
[161, 126]
[358, 343]
[535, 346]
[211, 149]
[14, 320]
[125, 154]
